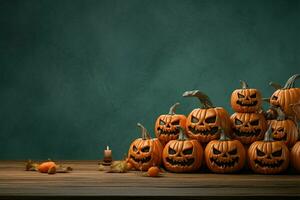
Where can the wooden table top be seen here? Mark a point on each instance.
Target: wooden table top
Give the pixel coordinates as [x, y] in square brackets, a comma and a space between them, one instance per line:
[86, 180]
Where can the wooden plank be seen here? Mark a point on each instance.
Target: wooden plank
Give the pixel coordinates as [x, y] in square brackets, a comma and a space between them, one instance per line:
[85, 180]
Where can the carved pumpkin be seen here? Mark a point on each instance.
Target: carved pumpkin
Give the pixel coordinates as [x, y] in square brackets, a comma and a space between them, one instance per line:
[287, 98]
[284, 129]
[268, 156]
[225, 155]
[203, 124]
[166, 125]
[295, 157]
[182, 155]
[248, 127]
[246, 99]
[144, 152]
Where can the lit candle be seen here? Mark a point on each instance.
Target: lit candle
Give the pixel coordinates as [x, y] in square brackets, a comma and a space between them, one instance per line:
[107, 154]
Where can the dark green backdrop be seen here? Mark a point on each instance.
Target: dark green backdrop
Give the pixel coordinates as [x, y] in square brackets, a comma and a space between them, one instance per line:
[78, 75]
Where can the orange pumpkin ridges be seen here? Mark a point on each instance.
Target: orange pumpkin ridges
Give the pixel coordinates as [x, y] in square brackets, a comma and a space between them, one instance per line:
[268, 156]
[203, 124]
[248, 127]
[287, 98]
[295, 155]
[182, 155]
[165, 125]
[284, 129]
[225, 155]
[246, 99]
[145, 152]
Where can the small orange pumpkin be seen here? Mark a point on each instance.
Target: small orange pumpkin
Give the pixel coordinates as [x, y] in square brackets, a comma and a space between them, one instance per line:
[246, 99]
[295, 157]
[287, 98]
[225, 155]
[248, 127]
[268, 156]
[166, 125]
[145, 152]
[284, 129]
[182, 155]
[203, 124]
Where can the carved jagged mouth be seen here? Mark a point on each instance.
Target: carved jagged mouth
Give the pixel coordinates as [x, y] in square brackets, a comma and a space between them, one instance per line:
[254, 103]
[212, 131]
[247, 133]
[187, 162]
[167, 132]
[263, 164]
[229, 163]
[143, 160]
[278, 137]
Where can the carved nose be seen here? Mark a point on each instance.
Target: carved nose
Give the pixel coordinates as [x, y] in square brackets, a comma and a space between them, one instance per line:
[201, 123]
[138, 152]
[269, 156]
[247, 98]
[224, 155]
[168, 126]
[246, 125]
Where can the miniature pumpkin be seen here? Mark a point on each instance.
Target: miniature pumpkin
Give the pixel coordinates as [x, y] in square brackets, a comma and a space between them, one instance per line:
[145, 152]
[166, 125]
[203, 124]
[295, 156]
[284, 129]
[182, 155]
[246, 99]
[268, 156]
[287, 98]
[248, 127]
[225, 155]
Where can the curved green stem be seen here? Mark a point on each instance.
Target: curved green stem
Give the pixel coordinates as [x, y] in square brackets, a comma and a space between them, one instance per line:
[223, 136]
[244, 84]
[276, 86]
[173, 108]
[145, 133]
[268, 135]
[291, 81]
[181, 136]
[204, 99]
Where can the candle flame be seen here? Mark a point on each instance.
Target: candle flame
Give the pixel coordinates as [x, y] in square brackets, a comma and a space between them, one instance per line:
[107, 147]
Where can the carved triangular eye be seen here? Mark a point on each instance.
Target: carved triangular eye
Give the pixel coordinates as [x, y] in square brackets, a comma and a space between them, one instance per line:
[254, 122]
[260, 153]
[216, 151]
[171, 151]
[145, 149]
[277, 153]
[134, 148]
[274, 97]
[253, 95]
[210, 119]
[240, 95]
[238, 122]
[175, 122]
[194, 119]
[187, 151]
[232, 152]
[161, 122]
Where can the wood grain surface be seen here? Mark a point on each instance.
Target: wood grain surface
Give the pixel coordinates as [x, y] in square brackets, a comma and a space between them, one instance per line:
[85, 180]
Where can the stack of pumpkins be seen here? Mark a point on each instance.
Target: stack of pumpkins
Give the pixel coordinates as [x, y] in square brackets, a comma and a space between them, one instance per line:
[180, 140]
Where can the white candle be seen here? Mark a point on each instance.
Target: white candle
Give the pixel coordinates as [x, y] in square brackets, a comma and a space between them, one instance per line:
[107, 153]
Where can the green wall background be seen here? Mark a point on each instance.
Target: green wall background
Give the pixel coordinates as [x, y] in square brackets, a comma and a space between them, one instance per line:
[78, 75]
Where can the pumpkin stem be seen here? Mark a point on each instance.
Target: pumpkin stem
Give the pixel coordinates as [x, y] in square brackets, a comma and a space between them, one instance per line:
[173, 108]
[280, 113]
[181, 136]
[276, 86]
[291, 81]
[244, 84]
[145, 133]
[204, 99]
[268, 135]
[223, 136]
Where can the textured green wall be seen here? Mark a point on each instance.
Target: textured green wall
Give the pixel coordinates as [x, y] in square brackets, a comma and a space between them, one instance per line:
[77, 75]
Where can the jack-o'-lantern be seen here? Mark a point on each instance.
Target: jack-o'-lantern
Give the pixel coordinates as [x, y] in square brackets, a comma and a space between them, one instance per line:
[224, 155]
[246, 99]
[284, 129]
[203, 124]
[248, 127]
[268, 156]
[287, 98]
[145, 152]
[166, 125]
[182, 155]
[295, 157]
